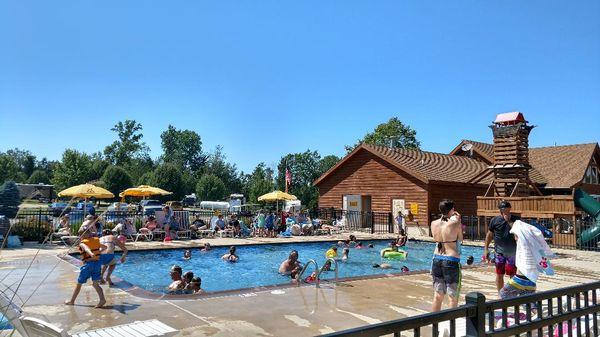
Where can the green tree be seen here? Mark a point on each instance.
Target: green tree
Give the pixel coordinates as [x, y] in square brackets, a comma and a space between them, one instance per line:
[168, 177]
[137, 167]
[74, 169]
[217, 165]
[259, 182]
[211, 188]
[129, 144]
[327, 162]
[116, 179]
[8, 168]
[24, 159]
[304, 168]
[9, 199]
[189, 182]
[182, 148]
[393, 133]
[99, 165]
[147, 179]
[47, 166]
[39, 177]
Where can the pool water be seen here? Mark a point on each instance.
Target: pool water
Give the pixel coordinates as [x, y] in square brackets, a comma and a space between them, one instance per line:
[259, 264]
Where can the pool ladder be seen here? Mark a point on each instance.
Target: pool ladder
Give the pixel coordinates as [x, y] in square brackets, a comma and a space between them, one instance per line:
[319, 271]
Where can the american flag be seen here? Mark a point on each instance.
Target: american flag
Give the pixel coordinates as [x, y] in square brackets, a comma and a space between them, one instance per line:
[288, 178]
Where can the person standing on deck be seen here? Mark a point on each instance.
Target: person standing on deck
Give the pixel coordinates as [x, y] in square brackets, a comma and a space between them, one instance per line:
[504, 243]
[445, 267]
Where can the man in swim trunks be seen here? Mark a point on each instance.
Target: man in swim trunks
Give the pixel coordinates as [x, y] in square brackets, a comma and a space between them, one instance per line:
[445, 267]
[291, 264]
[504, 243]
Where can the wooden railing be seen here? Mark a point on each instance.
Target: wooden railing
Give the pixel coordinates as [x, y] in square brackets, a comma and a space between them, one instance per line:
[545, 207]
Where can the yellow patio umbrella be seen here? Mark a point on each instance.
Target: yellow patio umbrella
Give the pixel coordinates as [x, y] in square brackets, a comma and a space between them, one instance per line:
[143, 191]
[86, 191]
[276, 196]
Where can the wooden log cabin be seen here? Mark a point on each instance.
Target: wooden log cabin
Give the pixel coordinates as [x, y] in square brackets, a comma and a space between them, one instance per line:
[382, 179]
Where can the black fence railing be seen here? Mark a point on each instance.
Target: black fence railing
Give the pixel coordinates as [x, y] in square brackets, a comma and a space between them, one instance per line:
[571, 311]
[559, 232]
[37, 223]
[371, 222]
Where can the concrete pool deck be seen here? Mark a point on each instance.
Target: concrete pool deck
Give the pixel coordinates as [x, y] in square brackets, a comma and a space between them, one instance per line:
[289, 311]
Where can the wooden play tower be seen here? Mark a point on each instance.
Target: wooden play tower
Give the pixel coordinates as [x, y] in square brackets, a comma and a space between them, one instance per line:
[511, 157]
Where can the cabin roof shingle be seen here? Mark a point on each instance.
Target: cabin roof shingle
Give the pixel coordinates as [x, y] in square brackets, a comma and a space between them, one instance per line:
[423, 165]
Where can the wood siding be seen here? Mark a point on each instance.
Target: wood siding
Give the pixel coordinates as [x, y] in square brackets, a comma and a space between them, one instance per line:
[366, 174]
[463, 195]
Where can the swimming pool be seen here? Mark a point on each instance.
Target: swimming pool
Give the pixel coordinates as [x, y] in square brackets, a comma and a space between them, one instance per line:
[259, 264]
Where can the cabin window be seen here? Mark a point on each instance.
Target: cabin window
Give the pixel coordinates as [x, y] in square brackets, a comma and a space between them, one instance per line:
[592, 176]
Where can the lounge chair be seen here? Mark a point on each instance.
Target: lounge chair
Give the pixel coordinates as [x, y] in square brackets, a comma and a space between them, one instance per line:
[206, 233]
[33, 327]
[225, 233]
[183, 219]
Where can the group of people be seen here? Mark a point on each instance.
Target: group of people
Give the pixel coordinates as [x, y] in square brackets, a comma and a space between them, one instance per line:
[98, 257]
[184, 283]
[520, 253]
[269, 224]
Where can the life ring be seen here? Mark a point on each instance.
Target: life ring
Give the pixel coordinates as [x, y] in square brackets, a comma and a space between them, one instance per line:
[388, 253]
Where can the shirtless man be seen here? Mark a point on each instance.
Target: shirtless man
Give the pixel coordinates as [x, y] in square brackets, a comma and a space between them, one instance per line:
[445, 268]
[291, 265]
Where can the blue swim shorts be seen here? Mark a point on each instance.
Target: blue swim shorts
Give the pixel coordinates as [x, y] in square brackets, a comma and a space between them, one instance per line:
[107, 259]
[90, 269]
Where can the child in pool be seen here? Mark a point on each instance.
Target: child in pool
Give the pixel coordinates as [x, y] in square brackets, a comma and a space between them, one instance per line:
[359, 245]
[345, 254]
[206, 247]
[404, 269]
[231, 256]
[470, 260]
[331, 253]
[382, 266]
[187, 254]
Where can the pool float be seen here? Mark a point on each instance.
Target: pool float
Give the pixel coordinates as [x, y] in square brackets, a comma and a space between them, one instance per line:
[388, 253]
[331, 254]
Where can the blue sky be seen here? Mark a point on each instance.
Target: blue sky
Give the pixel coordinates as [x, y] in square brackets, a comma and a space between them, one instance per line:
[265, 78]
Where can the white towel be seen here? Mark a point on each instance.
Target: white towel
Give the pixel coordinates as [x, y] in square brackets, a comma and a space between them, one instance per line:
[532, 251]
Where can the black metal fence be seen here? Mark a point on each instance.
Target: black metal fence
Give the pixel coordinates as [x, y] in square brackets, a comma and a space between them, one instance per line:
[571, 311]
[371, 222]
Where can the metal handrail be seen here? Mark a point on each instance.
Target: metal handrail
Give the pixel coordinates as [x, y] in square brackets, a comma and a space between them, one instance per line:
[335, 270]
[316, 270]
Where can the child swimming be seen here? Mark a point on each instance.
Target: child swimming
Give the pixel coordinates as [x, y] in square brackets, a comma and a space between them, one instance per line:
[345, 254]
[187, 254]
[231, 256]
[331, 253]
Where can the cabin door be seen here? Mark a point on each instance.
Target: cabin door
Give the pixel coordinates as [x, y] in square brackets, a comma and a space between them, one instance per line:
[352, 203]
[398, 205]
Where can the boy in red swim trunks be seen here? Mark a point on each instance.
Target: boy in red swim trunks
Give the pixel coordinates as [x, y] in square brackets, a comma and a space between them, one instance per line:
[504, 243]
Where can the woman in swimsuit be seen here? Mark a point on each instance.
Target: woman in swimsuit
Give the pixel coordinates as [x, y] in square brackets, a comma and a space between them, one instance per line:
[445, 267]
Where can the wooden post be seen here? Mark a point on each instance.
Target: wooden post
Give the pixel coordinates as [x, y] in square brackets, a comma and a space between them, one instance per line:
[475, 315]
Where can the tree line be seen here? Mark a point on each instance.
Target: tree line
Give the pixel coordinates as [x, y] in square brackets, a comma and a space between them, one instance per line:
[184, 166]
